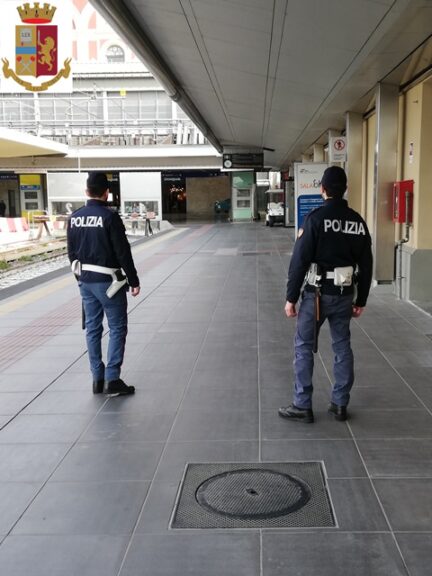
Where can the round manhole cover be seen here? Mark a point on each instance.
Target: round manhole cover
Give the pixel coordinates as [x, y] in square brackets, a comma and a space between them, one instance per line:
[253, 494]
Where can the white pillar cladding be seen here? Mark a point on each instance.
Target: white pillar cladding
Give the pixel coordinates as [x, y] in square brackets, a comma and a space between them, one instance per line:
[354, 167]
[383, 234]
[318, 153]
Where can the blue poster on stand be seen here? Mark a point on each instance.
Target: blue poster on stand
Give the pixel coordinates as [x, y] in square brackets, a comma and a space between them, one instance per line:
[305, 204]
[307, 188]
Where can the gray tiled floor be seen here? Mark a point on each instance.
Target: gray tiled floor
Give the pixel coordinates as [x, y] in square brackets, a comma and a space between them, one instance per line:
[88, 484]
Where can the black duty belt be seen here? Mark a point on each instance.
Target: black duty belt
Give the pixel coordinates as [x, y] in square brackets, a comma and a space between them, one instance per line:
[328, 287]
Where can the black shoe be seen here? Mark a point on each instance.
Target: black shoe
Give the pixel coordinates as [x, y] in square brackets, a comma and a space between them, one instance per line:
[339, 412]
[297, 414]
[98, 386]
[118, 388]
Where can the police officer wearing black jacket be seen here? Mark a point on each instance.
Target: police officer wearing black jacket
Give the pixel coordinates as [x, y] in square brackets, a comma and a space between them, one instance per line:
[333, 243]
[101, 259]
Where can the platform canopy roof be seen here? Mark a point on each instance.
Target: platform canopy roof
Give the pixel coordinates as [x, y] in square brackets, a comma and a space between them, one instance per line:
[15, 144]
[272, 74]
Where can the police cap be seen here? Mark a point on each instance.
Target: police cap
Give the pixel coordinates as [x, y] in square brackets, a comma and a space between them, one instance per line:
[97, 180]
[334, 180]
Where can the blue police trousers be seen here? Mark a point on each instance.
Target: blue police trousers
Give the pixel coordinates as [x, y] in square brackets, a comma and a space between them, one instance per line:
[96, 303]
[338, 311]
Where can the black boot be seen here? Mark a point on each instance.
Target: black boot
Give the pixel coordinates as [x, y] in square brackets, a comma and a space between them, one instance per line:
[297, 414]
[339, 412]
[98, 386]
[118, 388]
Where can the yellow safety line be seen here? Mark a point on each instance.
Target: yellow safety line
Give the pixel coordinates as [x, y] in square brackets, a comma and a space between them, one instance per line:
[37, 293]
[34, 295]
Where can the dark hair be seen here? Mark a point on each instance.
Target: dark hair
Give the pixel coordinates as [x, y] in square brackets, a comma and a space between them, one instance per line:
[334, 181]
[97, 184]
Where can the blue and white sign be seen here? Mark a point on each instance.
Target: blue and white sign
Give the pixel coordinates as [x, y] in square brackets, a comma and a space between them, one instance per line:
[307, 188]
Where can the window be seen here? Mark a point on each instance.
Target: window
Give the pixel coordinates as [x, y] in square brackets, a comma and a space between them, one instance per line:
[148, 102]
[164, 106]
[115, 54]
[46, 107]
[31, 205]
[115, 106]
[65, 207]
[141, 207]
[31, 195]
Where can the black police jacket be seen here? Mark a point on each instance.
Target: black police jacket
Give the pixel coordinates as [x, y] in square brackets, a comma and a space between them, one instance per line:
[333, 235]
[96, 235]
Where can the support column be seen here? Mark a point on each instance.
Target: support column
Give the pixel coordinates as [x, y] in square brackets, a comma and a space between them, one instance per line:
[385, 175]
[318, 153]
[354, 165]
[417, 253]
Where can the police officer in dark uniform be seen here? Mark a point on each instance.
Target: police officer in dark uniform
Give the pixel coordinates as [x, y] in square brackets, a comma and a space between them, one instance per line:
[101, 259]
[331, 254]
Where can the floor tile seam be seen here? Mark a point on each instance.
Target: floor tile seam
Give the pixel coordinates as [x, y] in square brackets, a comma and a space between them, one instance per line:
[94, 482]
[395, 409]
[375, 477]
[178, 532]
[58, 413]
[36, 443]
[389, 438]
[31, 482]
[69, 534]
[225, 439]
[258, 371]
[408, 437]
[413, 532]
[380, 503]
[325, 529]
[206, 441]
[44, 321]
[71, 446]
[163, 280]
[20, 353]
[295, 440]
[396, 371]
[171, 428]
[158, 286]
[121, 442]
[345, 477]
[406, 318]
[299, 438]
[226, 411]
[40, 393]
[261, 552]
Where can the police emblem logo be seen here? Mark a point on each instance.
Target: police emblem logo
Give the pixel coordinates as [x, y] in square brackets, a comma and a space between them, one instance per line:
[36, 48]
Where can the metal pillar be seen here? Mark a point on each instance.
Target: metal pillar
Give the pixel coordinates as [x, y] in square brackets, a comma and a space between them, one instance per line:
[385, 174]
[354, 168]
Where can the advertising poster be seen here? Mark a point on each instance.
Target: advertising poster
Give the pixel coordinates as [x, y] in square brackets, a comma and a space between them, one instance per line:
[307, 187]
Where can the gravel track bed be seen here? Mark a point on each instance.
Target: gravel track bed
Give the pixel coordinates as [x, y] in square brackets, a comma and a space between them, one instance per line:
[31, 270]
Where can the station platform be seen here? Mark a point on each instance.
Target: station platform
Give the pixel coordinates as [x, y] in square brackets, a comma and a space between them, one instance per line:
[89, 484]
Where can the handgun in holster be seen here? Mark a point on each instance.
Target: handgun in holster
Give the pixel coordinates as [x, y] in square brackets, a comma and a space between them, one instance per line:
[119, 280]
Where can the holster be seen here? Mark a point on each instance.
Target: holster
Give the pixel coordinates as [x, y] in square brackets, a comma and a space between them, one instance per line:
[118, 278]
